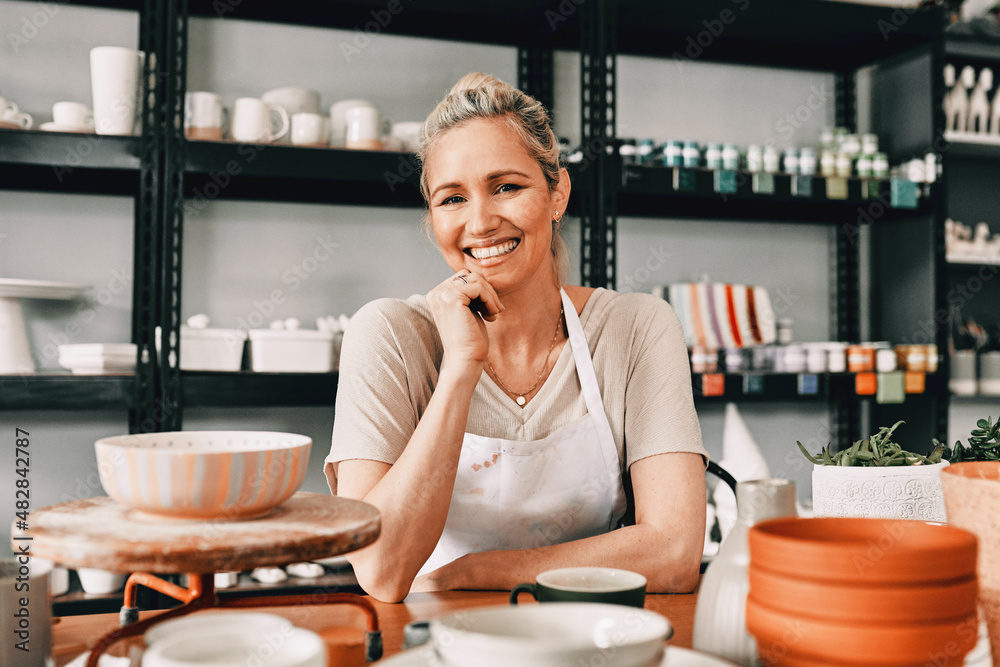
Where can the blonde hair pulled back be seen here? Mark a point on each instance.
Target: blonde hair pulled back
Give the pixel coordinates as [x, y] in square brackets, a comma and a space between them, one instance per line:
[481, 96]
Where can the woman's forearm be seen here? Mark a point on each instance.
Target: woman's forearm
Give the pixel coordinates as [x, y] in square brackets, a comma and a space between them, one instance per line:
[414, 494]
[670, 565]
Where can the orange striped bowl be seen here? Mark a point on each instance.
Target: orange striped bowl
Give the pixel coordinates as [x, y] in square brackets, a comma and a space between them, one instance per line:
[203, 474]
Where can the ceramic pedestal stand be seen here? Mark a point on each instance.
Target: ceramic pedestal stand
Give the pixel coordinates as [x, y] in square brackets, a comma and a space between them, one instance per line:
[99, 532]
[15, 353]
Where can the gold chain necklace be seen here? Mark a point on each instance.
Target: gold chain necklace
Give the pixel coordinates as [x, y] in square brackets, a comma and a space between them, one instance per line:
[520, 400]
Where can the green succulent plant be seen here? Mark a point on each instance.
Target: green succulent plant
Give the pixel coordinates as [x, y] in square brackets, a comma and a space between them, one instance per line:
[984, 443]
[875, 451]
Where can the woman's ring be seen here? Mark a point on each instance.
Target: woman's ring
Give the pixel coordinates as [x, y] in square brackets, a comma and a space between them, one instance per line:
[462, 278]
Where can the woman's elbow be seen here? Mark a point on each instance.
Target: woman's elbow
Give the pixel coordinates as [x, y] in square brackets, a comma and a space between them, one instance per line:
[382, 583]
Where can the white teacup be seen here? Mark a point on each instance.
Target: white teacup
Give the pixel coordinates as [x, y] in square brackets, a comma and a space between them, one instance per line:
[309, 129]
[204, 116]
[254, 121]
[116, 81]
[72, 114]
[293, 99]
[338, 125]
[362, 128]
[10, 113]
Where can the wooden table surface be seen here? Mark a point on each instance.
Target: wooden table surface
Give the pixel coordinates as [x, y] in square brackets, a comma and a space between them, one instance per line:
[71, 635]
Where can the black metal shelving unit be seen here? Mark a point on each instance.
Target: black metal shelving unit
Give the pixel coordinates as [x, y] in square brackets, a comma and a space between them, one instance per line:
[165, 172]
[972, 167]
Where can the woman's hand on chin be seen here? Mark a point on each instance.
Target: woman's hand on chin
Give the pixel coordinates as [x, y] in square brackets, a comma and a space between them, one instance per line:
[459, 305]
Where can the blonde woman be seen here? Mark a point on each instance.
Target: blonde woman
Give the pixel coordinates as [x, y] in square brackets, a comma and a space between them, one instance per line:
[507, 423]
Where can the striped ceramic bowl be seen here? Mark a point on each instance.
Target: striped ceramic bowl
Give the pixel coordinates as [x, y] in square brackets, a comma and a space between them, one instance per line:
[203, 474]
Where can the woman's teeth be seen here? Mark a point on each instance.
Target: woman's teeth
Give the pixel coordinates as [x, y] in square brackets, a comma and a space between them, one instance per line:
[493, 251]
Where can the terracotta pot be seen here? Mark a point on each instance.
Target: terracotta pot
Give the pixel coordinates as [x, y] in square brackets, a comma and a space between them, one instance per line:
[866, 551]
[848, 602]
[972, 497]
[785, 639]
[896, 492]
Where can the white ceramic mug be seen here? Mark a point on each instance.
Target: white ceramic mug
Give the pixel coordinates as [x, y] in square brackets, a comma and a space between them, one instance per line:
[204, 116]
[253, 121]
[309, 129]
[293, 99]
[72, 114]
[115, 77]
[362, 128]
[338, 126]
[10, 113]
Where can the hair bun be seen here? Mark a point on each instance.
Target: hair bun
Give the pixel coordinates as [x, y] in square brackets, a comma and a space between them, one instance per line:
[475, 80]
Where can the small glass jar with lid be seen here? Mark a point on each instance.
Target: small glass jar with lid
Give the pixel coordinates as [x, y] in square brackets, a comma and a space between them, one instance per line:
[644, 151]
[771, 160]
[828, 164]
[673, 154]
[713, 156]
[864, 165]
[790, 161]
[807, 161]
[869, 144]
[850, 144]
[692, 156]
[880, 165]
[755, 158]
[845, 165]
[730, 157]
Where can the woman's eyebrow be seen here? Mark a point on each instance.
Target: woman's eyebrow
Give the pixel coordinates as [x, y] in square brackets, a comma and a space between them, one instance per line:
[506, 172]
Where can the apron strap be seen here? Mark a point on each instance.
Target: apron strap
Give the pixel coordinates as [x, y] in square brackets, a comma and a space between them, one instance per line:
[595, 405]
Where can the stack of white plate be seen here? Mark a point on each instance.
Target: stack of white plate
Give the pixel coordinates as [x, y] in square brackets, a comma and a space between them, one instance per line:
[98, 358]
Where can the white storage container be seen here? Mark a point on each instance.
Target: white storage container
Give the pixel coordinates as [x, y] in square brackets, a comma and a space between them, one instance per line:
[292, 351]
[211, 349]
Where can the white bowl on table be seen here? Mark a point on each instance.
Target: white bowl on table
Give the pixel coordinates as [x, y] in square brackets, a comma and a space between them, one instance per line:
[550, 634]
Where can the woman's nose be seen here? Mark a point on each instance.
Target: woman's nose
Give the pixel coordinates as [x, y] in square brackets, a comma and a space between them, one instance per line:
[482, 219]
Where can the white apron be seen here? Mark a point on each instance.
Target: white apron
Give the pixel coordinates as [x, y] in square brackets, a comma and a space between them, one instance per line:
[511, 494]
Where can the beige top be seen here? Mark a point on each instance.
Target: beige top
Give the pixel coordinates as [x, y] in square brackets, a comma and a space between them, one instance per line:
[389, 368]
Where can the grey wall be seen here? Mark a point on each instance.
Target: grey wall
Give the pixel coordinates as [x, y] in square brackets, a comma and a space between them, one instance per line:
[236, 253]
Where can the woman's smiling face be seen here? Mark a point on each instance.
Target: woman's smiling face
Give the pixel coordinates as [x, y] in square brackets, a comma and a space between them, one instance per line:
[490, 206]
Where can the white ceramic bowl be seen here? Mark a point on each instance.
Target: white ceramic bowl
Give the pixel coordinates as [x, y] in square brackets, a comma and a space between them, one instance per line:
[297, 647]
[100, 582]
[553, 634]
[203, 474]
[218, 622]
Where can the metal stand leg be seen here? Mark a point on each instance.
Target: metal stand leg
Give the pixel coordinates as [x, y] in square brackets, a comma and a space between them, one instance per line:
[200, 594]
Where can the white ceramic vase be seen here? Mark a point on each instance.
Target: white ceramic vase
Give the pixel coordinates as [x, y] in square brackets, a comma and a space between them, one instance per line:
[895, 492]
[720, 618]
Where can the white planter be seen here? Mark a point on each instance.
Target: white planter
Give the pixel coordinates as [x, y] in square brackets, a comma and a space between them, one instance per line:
[897, 492]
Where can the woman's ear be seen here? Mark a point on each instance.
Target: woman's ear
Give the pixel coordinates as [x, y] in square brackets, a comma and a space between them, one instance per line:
[560, 193]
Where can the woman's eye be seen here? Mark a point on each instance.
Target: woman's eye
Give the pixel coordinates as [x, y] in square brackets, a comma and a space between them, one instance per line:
[454, 199]
[508, 187]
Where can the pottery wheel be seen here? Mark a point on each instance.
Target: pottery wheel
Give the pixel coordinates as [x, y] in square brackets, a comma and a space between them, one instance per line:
[101, 533]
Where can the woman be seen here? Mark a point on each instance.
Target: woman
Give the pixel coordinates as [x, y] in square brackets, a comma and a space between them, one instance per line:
[499, 422]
